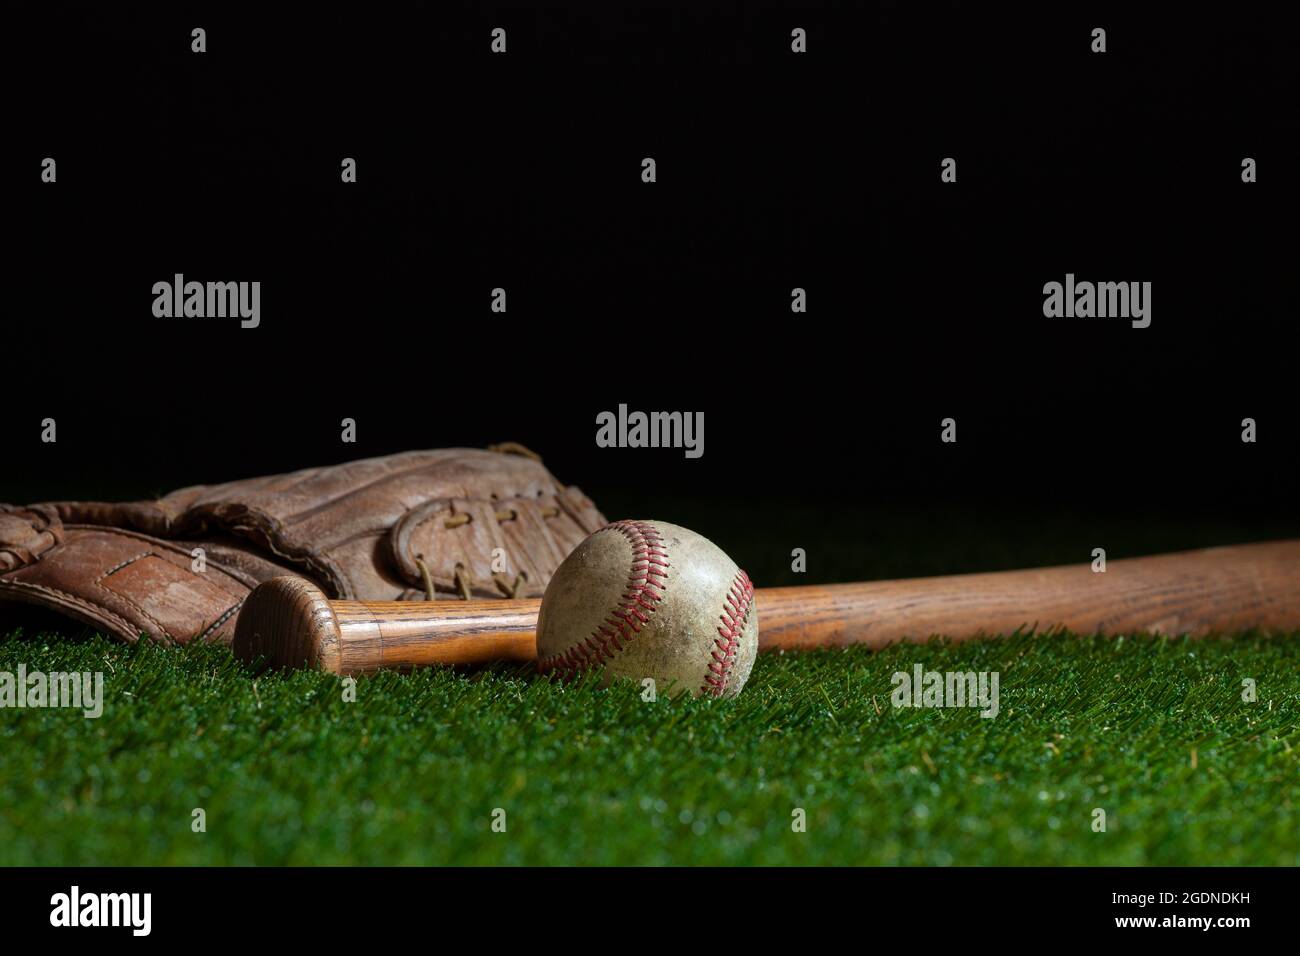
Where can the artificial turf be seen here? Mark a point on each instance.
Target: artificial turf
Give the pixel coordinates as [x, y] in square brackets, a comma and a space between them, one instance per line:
[1152, 731]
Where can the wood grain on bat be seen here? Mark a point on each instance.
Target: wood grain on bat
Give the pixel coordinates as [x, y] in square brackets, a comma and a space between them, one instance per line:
[1218, 589]
[289, 622]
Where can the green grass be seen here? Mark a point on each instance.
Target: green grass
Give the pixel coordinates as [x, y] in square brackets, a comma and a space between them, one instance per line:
[288, 773]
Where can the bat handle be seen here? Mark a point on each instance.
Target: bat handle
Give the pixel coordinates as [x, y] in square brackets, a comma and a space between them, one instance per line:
[288, 622]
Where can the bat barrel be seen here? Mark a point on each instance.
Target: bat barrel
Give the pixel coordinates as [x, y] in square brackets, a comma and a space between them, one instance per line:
[288, 622]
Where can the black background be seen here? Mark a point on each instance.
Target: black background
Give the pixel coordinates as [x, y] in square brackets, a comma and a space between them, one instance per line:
[775, 170]
[514, 909]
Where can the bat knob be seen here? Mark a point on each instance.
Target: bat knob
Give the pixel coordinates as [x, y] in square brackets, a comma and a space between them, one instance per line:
[287, 622]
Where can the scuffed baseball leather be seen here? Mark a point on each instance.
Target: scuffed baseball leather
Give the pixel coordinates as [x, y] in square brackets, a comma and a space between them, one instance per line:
[416, 525]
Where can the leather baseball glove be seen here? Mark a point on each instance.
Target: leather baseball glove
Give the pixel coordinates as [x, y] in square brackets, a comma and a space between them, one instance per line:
[427, 525]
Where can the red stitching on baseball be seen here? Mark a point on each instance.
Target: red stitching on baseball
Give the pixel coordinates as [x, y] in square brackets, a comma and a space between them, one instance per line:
[735, 609]
[646, 582]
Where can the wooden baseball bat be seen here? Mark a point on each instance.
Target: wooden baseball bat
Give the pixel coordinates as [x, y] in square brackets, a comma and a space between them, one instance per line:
[289, 622]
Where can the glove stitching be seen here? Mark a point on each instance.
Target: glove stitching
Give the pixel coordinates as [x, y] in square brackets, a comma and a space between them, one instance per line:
[96, 611]
[167, 636]
[209, 631]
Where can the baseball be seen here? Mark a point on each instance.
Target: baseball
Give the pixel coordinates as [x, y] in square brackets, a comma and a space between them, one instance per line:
[649, 599]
